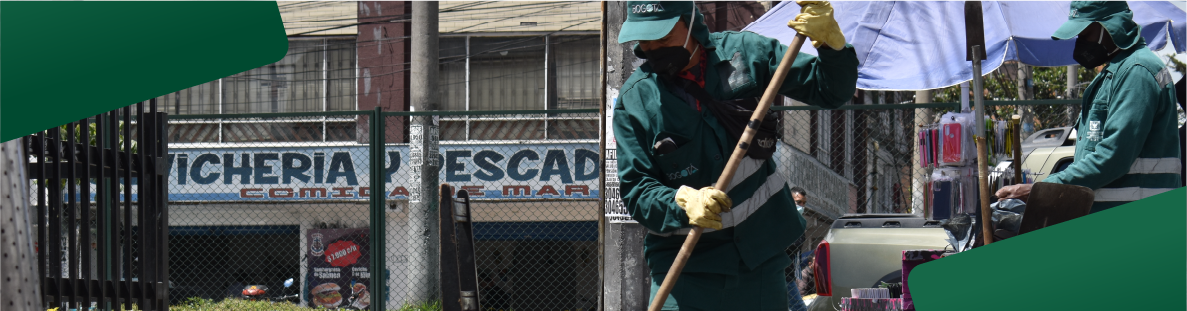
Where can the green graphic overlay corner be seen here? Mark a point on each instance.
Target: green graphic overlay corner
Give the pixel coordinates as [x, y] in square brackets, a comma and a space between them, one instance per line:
[64, 61]
[1131, 257]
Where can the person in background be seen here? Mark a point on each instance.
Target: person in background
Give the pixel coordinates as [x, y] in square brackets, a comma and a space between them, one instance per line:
[795, 300]
[491, 297]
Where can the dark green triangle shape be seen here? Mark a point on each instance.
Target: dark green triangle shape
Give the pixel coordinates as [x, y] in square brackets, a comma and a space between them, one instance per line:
[1130, 257]
[67, 60]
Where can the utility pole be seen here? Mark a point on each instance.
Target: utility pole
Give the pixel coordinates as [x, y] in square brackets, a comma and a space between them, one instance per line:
[627, 279]
[20, 260]
[920, 177]
[1072, 92]
[1026, 92]
[422, 158]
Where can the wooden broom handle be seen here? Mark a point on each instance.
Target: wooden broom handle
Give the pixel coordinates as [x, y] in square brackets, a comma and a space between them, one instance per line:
[730, 168]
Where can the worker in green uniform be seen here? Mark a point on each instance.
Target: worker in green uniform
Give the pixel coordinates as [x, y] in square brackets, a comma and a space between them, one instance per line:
[671, 149]
[1127, 143]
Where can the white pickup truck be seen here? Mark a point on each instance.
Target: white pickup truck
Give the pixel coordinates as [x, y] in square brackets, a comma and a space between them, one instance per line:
[864, 250]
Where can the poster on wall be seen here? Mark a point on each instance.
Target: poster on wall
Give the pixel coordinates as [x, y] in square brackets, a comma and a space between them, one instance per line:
[338, 268]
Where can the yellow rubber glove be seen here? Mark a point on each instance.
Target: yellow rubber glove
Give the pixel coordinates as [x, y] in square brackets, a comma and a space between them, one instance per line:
[703, 206]
[816, 22]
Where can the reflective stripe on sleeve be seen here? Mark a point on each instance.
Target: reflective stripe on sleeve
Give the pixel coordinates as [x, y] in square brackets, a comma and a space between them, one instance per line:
[1156, 166]
[1127, 194]
[739, 213]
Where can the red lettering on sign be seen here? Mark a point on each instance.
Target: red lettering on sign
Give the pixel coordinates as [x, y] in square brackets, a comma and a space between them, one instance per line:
[313, 192]
[364, 192]
[342, 193]
[473, 191]
[276, 192]
[243, 193]
[399, 191]
[516, 190]
[574, 189]
[547, 190]
[342, 253]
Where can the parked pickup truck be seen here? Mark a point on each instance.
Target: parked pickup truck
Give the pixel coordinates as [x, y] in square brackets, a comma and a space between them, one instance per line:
[864, 250]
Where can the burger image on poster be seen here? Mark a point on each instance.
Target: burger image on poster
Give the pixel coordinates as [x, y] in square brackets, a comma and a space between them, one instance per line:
[360, 298]
[327, 295]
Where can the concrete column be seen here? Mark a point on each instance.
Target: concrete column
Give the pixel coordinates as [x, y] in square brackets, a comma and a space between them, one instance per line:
[919, 176]
[422, 158]
[1026, 92]
[20, 289]
[626, 279]
[1072, 92]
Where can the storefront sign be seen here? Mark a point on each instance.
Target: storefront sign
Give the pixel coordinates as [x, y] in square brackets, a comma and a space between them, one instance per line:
[552, 171]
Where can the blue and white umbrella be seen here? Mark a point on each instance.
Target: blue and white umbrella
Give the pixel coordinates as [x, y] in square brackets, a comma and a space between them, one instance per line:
[918, 45]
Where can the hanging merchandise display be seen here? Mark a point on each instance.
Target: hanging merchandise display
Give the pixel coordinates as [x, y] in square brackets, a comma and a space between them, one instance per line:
[956, 141]
[949, 148]
[929, 146]
[954, 191]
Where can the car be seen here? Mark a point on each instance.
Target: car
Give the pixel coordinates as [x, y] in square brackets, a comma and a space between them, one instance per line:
[1048, 151]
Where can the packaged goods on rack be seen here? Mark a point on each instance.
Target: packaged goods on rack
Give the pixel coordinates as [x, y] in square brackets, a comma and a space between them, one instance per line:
[928, 145]
[954, 190]
[957, 146]
[949, 147]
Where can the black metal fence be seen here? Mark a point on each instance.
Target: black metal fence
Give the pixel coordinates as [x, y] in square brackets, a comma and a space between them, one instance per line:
[100, 194]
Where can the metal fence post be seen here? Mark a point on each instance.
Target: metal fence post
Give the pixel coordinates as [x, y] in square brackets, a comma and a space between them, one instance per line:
[378, 213]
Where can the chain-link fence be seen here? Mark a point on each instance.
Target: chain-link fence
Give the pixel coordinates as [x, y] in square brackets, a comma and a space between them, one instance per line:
[256, 199]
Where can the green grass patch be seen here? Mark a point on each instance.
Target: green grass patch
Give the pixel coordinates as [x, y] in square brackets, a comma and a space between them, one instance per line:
[199, 304]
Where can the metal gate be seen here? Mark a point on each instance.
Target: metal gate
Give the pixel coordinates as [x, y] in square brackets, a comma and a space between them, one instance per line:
[99, 187]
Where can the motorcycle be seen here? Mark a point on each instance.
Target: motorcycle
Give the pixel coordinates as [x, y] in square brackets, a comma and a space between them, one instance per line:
[260, 293]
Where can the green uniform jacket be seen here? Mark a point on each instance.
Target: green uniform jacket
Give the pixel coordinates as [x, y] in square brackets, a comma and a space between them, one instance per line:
[1127, 142]
[764, 220]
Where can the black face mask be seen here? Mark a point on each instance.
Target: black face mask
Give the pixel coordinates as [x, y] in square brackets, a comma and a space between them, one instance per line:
[1091, 54]
[669, 60]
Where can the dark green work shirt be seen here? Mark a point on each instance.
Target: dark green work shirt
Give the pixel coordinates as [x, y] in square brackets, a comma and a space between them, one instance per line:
[764, 220]
[1127, 143]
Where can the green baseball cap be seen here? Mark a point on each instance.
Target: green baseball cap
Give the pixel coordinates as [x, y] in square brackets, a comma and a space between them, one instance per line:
[651, 20]
[1115, 16]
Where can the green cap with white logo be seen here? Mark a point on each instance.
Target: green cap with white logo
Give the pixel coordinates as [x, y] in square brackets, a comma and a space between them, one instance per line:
[651, 20]
[1115, 16]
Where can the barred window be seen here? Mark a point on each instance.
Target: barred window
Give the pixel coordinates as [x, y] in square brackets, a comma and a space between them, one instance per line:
[577, 74]
[507, 73]
[340, 71]
[291, 85]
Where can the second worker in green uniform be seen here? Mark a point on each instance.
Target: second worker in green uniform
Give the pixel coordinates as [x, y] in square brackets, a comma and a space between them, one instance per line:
[1128, 146]
[672, 148]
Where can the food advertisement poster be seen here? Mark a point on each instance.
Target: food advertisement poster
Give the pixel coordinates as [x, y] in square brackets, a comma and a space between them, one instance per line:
[338, 268]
